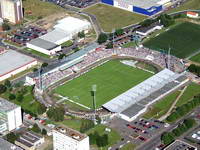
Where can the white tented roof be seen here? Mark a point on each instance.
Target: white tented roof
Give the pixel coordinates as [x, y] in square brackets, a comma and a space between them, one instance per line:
[140, 91]
[71, 24]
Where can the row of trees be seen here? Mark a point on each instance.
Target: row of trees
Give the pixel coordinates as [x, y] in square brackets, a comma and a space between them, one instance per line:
[169, 137]
[184, 109]
[99, 140]
[56, 113]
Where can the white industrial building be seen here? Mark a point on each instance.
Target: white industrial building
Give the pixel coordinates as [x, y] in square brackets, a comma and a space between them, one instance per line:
[63, 31]
[13, 63]
[10, 114]
[68, 139]
[132, 103]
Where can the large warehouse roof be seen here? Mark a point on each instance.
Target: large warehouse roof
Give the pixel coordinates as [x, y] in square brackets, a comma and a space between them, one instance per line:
[71, 24]
[43, 44]
[142, 90]
[12, 60]
[55, 35]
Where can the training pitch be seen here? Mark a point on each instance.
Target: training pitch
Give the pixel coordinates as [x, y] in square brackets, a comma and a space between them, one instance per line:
[112, 79]
[183, 40]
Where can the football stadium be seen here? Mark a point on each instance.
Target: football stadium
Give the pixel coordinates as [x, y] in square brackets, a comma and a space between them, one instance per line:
[122, 87]
[145, 7]
[186, 36]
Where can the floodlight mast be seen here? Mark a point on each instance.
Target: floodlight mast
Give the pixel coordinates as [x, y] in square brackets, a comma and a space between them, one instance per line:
[169, 51]
[94, 89]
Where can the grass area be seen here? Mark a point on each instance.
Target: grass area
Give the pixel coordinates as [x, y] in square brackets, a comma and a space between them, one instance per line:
[72, 123]
[67, 43]
[128, 146]
[129, 44]
[111, 17]
[190, 92]
[34, 9]
[27, 103]
[112, 77]
[196, 58]
[147, 66]
[37, 53]
[161, 107]
[189, 4]
[113, 136]
[186, 36]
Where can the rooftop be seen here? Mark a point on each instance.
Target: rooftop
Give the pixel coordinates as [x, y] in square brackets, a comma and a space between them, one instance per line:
[30, 137]
[71, 24]
[12, 60]
[180, 145]
[6, 106]
[43, 44]
[71, 133]
[5, 145]
[55, 35]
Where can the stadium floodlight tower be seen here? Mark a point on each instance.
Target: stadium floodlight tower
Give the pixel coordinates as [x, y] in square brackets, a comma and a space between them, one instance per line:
[169, 56]
[94, 89]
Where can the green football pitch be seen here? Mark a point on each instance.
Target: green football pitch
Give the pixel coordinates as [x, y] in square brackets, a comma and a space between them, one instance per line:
[112, 79]
[183, 40]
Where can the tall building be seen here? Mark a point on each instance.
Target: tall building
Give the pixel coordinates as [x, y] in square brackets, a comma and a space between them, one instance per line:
[11, 10]
[10, 115]
[69, 139]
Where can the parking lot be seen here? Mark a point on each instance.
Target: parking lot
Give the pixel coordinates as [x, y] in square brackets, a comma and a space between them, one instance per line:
[138, 131]
[21, 37]
[74, 3]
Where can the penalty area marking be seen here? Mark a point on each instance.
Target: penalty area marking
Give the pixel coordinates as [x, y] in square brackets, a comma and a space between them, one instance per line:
[66, 98]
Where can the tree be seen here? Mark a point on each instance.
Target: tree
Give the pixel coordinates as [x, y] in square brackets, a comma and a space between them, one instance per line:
[11, 137]
[167, 138]
[109, 45]
[12, 97]
[189, 122]
[44, 132]
[192, 68]
[61, 56]
[41, 108]
[166, 20]
[7, 83]
[2, 88]
[119, 32]
[81, 34]
[44, 65]
[19, 97]
[6, 26]
[36, 128]
[35, 69]
[102, 38]
[56, 113]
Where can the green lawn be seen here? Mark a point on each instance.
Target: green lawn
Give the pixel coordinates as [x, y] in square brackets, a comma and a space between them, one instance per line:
[196, 58]
[129, 44]
[111, 78]
[189, 4]
[39, 8]
[113, 136]
[183, 40]
[72, 123]
[28, 103]
[67, 43]
[111, 17]
[128, 146]
[146, 66]
[162, 106]
[192, 90]
[37, 53]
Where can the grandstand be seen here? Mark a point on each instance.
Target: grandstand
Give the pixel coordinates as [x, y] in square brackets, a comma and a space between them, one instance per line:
[135, 101]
